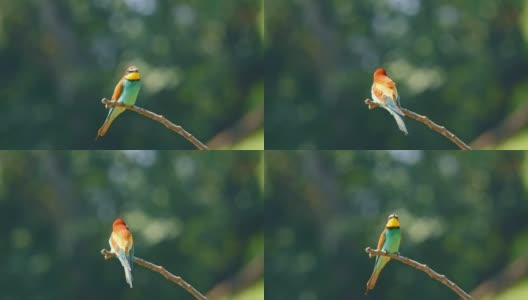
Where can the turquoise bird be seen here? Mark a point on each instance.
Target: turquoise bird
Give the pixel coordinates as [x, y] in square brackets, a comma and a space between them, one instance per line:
[126, 92]
[389, 241]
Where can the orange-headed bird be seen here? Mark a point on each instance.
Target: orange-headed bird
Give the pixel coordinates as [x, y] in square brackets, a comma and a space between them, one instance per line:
[385, 94]
[122, 244]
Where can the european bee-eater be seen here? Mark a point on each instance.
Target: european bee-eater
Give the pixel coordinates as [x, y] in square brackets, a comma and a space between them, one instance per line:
[385, 94]
[126, 92]
[389, 241]
[122, 244]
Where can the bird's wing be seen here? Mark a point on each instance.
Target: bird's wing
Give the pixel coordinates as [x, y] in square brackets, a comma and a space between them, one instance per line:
[385, 88]
[118, 90]
[114, 243]
[377, 92]
[131, 258]
[381, 240]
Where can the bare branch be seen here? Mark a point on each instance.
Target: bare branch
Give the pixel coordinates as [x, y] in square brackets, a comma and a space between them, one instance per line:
[163, 272]
[507, 128]
[505, 279]
[424, 268]
[176, 128]
[249, 123]
[426, 121]
[247, 276]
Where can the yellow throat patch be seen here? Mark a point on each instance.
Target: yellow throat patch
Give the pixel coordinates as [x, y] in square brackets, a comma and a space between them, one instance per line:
[133, 76]
[393, 221]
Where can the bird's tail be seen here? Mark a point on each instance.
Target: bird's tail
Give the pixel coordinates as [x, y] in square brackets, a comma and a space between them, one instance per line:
[112, 115]
[106, 125]
[378, 266]
[128, 269]
[399, 120]
[371, 283]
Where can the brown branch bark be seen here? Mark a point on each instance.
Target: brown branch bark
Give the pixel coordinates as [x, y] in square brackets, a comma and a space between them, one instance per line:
[247, 276]
[163, 272]
[508, 277]
[426, 121]
[161, 119]
[249, 123]
[506, 129]
[424, 268]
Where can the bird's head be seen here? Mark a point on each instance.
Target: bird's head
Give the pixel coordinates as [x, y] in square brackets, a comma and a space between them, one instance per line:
[380, 72]
[393, 221]
[132, 73]
[119, 222]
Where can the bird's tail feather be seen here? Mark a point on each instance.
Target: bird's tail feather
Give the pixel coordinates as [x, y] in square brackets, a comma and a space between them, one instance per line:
[378, 266]
[112, 115]
[399, 120]
[106, 125]
[371, 283]
[128, 277]
[392, 106]
[126, 265]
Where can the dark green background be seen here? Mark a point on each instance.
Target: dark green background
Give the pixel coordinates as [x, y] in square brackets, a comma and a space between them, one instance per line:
[200, 215]
[200, 63]
[463, 214]
[462, 63]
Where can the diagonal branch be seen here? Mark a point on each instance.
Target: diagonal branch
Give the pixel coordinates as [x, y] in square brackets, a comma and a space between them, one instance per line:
[163, 272]
[176, 128]
[505, 279]
[506, 129]
[424, 268]
[426, 121]
[247, 276]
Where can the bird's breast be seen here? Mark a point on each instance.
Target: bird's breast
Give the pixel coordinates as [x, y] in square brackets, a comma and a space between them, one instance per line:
[130, 92]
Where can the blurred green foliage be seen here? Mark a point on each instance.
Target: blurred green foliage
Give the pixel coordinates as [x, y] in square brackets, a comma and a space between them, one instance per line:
[462, 214]
[461, 63]
[200, 215]
[200, 63]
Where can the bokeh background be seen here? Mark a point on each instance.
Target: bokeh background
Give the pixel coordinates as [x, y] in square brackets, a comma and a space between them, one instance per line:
[462, 214]
[200, 63]
[198, 215]
[461, 63]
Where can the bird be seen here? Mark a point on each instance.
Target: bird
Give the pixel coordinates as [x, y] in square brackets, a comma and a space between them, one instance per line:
[122, 244]
[125, 92]
[385, 94]
[389, 241]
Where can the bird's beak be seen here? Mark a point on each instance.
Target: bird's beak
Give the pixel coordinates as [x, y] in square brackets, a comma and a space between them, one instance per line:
[133, 76]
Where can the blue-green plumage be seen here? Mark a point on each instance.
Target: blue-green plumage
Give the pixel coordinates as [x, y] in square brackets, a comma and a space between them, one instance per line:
[126, 93]
[128, 97]
[389, 242]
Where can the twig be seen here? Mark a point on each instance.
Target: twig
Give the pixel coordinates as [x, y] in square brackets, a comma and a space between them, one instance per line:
[504, 130]
[249, 123]
[159, 269]
[424, 268]
[247, 276]
[426, 121]
[505, 279]
[176, 128]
